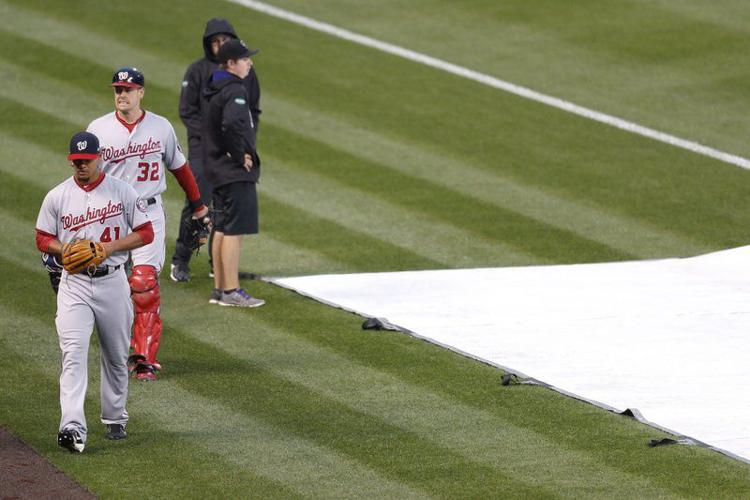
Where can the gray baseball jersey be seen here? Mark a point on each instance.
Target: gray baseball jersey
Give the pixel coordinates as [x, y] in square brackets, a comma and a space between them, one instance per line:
[103, 211]
[141, 157]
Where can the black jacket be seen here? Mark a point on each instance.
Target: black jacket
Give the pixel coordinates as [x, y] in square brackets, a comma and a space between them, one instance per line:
[227, 131]
[196, 77]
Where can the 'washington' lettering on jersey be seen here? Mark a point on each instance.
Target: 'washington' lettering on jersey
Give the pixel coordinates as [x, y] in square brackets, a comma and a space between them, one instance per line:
[139, 157]
[107, 212]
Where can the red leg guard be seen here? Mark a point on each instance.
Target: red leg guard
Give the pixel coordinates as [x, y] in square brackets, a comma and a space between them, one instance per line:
[144, 288]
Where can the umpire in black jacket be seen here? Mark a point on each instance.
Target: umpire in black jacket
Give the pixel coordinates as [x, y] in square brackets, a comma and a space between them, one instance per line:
[232, 165]
[217, 32]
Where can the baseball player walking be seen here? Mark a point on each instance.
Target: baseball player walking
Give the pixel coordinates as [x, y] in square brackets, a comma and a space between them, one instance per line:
[138, 147]
[218, 31]
[107, 212]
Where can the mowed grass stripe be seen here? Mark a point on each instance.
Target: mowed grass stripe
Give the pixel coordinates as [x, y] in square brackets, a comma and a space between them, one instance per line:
[479, 436]
[254, 445]
[600, 223]
[410, 230]
[623, 235]
[237, 442]
[358, 249]
[45, 28]
[179, 449]
[396, 453]
[42, 92]
[504, 232]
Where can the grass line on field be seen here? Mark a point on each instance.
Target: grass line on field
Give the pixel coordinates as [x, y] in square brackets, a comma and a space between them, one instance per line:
[443, 243]
[112, 50]
[190, 474]
[497, 83]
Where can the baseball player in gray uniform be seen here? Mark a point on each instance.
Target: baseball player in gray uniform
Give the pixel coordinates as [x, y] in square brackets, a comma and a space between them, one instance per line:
[139, 147]
[93, 206]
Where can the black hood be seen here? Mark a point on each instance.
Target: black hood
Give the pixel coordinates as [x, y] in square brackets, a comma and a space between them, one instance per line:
[214, 27]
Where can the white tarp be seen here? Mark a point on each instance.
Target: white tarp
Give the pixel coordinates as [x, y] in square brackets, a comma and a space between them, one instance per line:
[670, 337]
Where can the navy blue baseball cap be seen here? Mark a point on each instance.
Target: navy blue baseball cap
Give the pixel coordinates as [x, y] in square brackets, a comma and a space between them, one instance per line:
[84, 146]
[234, 49]
[128, 77]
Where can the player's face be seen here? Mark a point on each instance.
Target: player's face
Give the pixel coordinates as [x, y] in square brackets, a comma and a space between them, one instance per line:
[240, 67]
[217, 41]
[85, 171]
[128, 99]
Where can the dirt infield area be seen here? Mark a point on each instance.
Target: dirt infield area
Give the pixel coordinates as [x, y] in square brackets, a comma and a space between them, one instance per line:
[25, 474]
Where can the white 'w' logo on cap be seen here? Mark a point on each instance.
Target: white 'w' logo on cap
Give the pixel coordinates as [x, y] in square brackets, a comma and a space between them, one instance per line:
[82, 145]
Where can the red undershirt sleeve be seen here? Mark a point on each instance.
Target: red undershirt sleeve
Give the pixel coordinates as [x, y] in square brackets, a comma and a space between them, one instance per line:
[146, 231]
[43, 240]
[187, 181]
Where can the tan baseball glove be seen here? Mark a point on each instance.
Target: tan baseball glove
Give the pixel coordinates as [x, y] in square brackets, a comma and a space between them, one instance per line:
[81, 254]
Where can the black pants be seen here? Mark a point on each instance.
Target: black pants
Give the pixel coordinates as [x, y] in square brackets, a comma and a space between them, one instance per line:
[182, 252]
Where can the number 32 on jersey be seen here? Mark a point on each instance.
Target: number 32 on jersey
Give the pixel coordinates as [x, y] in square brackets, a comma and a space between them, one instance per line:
[149, 171]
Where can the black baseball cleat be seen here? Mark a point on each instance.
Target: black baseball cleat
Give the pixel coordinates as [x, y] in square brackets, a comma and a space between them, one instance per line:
[71, 440]
[116, 431]
[179, 273]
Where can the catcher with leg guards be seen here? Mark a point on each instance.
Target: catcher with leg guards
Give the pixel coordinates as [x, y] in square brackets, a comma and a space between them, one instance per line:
[89, 222]
[139, 147]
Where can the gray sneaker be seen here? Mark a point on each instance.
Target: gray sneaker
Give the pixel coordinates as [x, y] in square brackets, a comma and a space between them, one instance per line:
[116, 431]
[240, 298]
[179, 273]
[215, 296]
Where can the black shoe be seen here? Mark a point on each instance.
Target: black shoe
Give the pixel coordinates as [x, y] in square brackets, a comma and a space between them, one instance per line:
[71, 440]
[116, 431]
[179, 273]
[244, 275]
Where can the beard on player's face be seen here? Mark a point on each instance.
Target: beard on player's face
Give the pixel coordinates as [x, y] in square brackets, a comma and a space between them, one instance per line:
[85, 170]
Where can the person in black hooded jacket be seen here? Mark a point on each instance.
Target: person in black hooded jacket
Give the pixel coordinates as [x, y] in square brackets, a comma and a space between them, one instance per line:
[232, 165]
[217, 32]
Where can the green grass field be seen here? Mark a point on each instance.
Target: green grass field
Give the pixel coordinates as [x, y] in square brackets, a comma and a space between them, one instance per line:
[374, 163]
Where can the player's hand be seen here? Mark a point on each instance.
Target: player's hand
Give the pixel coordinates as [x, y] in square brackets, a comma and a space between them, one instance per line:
[201, 213]
[248, 162]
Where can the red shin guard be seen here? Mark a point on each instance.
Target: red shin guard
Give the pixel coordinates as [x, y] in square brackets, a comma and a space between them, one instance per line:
[144, 288]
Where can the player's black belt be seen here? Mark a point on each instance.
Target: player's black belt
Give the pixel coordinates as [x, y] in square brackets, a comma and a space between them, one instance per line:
[98, 272]
[151, 201]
